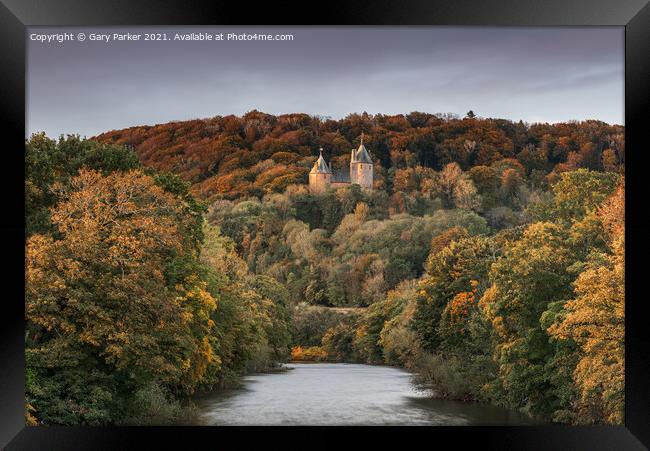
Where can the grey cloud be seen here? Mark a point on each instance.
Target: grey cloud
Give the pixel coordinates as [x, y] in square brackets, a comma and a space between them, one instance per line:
[515, 73]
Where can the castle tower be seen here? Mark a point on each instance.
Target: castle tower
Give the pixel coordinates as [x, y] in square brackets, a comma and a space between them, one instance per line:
[320, 176]
[361, 167]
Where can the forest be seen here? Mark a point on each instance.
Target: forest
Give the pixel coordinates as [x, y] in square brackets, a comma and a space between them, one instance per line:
[167, 260]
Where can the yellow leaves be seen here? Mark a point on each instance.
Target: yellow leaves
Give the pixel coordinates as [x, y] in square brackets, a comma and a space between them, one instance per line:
[595, 320]
[600, 378]
[488, 299]
[114, 353]
[499, 326]
[187, 317]
[100, 287]
[202, 360]
[206, 350]
[598, 311]
[196, 301]
[128, 213]
[425, 287]
[30, 419]
[612, 213]
[361, 332]
[88, 337]
[116, 348]
[460, 307]
[197, 305]
[312, 353]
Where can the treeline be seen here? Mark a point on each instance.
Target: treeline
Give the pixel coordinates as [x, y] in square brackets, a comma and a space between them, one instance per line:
[229, 157]
[132, 301]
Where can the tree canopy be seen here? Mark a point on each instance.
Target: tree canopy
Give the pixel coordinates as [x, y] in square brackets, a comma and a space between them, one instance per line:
[163, 260]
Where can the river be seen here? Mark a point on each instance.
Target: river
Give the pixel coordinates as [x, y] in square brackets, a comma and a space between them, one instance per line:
[341, 394]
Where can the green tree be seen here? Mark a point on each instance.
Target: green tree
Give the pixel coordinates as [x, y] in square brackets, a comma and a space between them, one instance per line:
[575, 195]
[450, 271]
[532, 278]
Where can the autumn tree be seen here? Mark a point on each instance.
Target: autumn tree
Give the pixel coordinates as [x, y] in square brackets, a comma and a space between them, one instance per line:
[575, 194]
[595, 320]
[530, 282]
[449, 271]
[99, 302]
[48, 162]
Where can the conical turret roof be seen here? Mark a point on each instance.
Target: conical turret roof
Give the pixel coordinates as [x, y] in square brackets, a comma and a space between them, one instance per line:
[362, 155]
[320, 167]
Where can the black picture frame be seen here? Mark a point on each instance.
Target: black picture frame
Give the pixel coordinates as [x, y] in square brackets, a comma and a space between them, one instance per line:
[15, 15]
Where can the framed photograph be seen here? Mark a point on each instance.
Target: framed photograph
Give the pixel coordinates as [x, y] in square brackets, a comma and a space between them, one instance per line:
[370, 215]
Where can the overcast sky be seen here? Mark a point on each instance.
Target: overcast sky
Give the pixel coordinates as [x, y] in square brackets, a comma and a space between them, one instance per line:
[533, 74]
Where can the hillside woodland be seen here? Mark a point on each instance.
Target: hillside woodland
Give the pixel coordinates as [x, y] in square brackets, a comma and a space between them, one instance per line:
[169, 259]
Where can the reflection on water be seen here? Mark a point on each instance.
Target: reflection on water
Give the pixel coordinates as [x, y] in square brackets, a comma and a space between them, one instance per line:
[341, 394]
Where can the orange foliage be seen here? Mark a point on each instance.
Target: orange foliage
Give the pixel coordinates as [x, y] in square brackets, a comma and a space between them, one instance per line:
[308, 354]
[203, 151]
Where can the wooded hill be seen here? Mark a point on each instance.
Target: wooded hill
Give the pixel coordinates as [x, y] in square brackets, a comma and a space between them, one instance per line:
[258, 153]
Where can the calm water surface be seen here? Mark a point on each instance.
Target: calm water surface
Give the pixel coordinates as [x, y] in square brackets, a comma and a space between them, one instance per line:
[339, 393]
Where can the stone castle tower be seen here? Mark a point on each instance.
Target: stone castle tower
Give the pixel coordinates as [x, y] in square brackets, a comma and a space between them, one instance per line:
[361, 172]
[361, 167]
[320, 176]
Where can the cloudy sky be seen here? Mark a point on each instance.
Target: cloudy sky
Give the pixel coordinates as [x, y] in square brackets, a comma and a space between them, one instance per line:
[533, 74]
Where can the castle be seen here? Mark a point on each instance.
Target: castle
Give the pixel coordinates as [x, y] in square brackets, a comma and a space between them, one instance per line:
[321, 176]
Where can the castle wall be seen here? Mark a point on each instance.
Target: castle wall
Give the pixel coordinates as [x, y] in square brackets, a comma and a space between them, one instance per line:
[319, 182]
